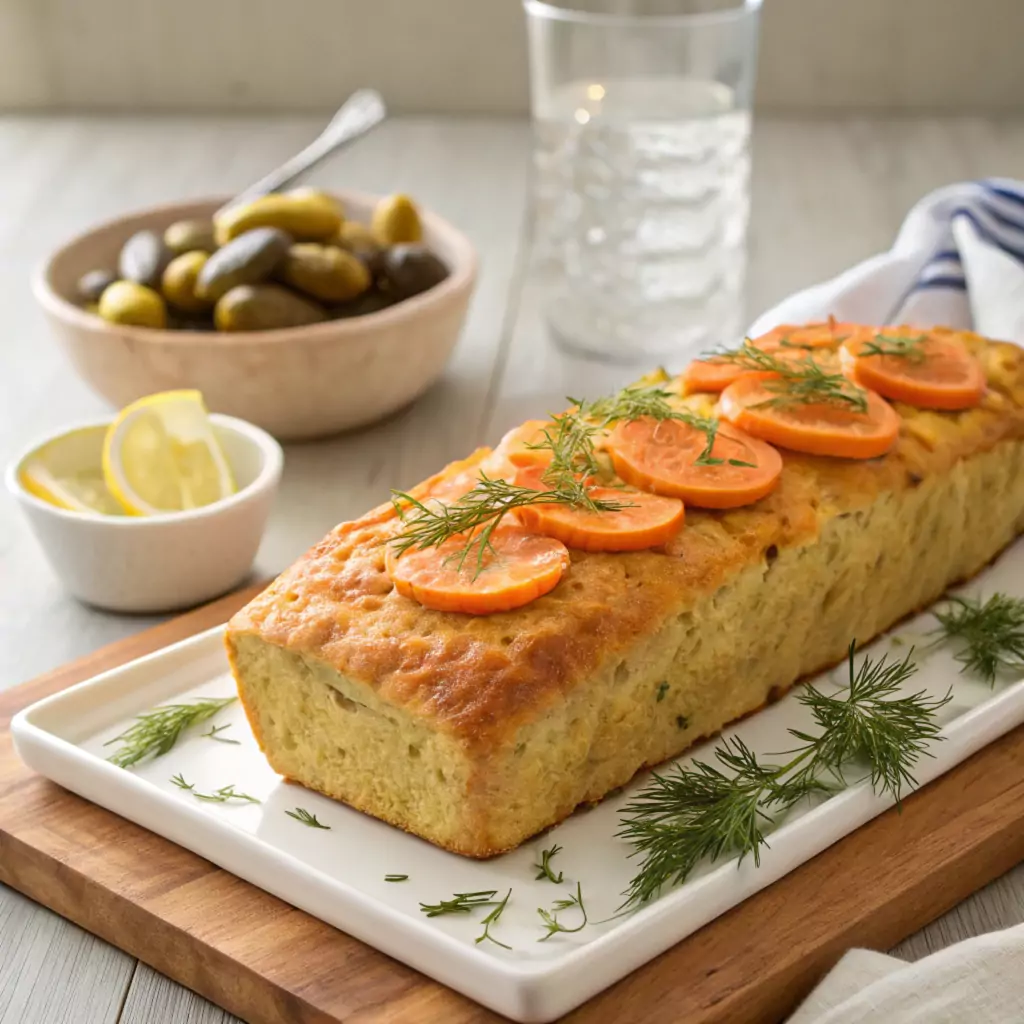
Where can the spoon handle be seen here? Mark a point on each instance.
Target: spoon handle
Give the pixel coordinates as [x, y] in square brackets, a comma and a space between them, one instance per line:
[361, 112]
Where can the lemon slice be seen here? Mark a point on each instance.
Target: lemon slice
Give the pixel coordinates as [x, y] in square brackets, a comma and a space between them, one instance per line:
[66, 472]
[161, 455]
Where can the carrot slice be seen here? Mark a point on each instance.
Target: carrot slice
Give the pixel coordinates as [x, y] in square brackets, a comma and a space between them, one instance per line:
[648, 522]
[933, 372]
[711, 374]
[819, 429]
[515, 445]
[520, 568]
[787, 341]
[665, 457]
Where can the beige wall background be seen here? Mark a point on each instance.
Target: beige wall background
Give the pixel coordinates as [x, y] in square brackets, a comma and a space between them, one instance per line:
[469, 55]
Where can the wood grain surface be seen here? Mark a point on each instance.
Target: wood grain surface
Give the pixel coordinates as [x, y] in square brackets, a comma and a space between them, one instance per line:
[271, 964]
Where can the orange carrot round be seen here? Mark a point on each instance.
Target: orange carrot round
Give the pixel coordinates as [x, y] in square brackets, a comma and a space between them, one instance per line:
[648, 521]
[819, 428]
[668, 457]
[517, 568]
[929, 371]
[788, 342]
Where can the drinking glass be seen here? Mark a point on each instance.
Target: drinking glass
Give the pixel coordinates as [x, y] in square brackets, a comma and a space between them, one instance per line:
[641, 114]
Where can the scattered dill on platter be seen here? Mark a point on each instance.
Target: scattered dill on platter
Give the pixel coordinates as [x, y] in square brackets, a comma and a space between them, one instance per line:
[991, 633]
[155, 732]
[550, 917]
[461, 903]
[803, 382]
[544, 867]
[662, 690]
[490, 919]
[902, 348]
[707, 811]
[301, 814]
[218, 796]
[214, 734]
[396, 878]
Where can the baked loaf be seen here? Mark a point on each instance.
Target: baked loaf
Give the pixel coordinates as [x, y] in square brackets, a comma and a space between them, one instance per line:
[477, 732]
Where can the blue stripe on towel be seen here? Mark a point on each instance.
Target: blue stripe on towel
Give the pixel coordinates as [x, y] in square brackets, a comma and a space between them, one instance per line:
[997, 215]
[946, 254]
[1003, 191]
[956, 283]
[987, 233]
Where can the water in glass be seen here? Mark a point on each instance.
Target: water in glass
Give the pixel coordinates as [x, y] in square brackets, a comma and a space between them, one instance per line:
[641, 202]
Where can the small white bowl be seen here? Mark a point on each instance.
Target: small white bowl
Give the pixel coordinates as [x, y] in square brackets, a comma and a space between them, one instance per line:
[166, 562]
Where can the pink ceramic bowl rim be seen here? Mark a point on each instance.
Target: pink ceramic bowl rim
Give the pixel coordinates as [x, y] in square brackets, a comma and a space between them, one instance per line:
[460, 253]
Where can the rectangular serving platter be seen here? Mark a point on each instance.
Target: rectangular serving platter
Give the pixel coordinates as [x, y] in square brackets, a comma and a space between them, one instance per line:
[337, 875]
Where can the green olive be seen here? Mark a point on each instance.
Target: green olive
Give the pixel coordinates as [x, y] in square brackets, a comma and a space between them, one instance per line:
[396, 220]
[248, 259]
[356, 238]
[306, 214]
[264, 307]
[190, 236]
[126, 302]
[179, 282]
[325, 272]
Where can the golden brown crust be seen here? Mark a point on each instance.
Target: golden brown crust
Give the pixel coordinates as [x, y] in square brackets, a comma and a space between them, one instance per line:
[480, 678]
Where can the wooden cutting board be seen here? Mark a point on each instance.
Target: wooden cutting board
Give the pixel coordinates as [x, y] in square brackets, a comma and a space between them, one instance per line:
[271, 964]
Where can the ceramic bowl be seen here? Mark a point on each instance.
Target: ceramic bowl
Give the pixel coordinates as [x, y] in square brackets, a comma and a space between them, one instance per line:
[298, 383]
[164, 562]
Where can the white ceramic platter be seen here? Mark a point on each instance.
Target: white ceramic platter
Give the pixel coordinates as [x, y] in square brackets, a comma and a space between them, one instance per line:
[338, 875]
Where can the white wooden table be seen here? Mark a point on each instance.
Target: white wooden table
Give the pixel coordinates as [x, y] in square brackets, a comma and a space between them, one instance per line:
[826, 194]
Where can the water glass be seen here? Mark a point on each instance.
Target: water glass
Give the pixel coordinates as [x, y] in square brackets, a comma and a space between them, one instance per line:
[641, 114]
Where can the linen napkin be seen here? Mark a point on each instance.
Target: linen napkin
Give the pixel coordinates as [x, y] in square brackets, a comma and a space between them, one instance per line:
[958, 261]
[979, 981]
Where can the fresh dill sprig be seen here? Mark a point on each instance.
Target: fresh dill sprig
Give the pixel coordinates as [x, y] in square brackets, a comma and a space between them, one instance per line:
[224, 794]
[570, 440]
[218, 796]
[707, 811]
[891, 345]
[477, 514]
[490, 919]
[214, 734]
[155, 732]
[301, 814]
[544, 867]
[550, 918]
[461, 903]
[652, 402]
[801, 382]
[992, 633]
[396, 878]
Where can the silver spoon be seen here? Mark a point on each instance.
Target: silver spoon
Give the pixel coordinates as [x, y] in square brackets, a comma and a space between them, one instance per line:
[361, 112]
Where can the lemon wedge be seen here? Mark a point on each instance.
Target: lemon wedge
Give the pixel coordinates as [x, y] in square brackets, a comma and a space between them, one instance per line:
[161, 455]
[66, 472]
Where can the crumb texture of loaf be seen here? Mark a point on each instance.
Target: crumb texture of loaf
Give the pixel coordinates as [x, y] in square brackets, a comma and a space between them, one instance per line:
[478, 732]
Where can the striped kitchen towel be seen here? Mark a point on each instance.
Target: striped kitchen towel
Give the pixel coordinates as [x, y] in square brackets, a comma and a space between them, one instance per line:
[958, 261]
